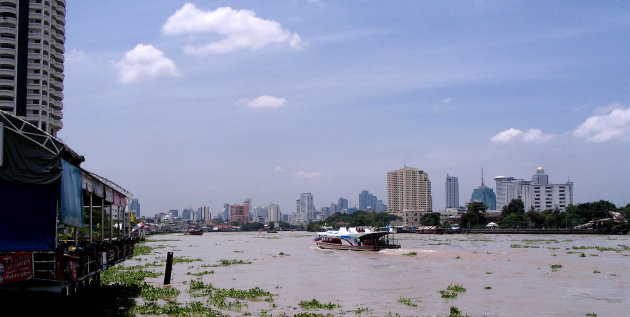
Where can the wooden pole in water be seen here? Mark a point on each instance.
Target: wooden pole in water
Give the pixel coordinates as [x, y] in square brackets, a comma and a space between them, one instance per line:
[169, 266]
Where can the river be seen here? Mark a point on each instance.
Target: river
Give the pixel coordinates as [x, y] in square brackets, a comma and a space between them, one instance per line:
[503, 275]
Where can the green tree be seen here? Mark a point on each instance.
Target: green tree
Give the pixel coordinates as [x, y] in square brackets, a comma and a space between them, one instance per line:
[536, 218]
[430, 219]
[468, 220]
[515, 206]
[514, 220]
[475, 215]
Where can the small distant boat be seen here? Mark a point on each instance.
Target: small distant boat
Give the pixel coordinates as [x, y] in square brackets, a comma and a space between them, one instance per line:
[356, 239]
[430, 230]
[195, 231]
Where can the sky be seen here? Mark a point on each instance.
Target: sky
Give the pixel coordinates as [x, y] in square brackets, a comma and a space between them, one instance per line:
[188, 103]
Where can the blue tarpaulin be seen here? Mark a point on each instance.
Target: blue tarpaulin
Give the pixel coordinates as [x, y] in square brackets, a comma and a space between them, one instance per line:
[29, 216]
[71, 195]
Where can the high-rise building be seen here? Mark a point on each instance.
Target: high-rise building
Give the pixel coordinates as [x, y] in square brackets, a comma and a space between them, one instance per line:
[485, 195]
[135, 207]
[205, 213]
[188, 214]
[537, 193]
[274, 213]
[174, 213]
[305, 207]
[226, 212]
[261, 214]
[31, 61]
[452, 192]
[342, 205]
[380, 206]
[239, 213]
[367, 201]
[409, 194]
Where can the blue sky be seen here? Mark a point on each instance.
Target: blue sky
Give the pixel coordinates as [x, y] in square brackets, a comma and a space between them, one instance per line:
[201, 103]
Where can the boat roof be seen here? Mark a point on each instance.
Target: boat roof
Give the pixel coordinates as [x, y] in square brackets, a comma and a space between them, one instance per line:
[343, 231]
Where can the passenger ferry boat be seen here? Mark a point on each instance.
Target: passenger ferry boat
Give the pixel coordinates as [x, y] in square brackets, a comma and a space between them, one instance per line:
[356, 239]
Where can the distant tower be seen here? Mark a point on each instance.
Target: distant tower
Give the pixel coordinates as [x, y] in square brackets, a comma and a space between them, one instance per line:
[367, 200]
[540, 178]
[452, 192]
[135, 207]
[485, 195]
[342, 205]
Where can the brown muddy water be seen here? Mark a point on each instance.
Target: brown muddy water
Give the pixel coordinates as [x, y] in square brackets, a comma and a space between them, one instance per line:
[504, 275]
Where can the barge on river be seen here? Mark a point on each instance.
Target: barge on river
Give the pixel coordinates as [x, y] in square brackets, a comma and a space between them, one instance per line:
[356, 239]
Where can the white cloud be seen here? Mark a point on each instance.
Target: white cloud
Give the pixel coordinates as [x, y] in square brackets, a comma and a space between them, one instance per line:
[536, 135]
[605, 127]
[278, 169]
[506, 136]
[447, 100]
[511, 134]
[241, 29]
[304, 174]
[263, 102]
[144, 63]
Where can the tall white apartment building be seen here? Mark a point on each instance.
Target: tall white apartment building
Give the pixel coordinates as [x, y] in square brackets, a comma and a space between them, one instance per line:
[537, 193]
[409, 194]
[31, 61]
[274, 212]
[305, 208]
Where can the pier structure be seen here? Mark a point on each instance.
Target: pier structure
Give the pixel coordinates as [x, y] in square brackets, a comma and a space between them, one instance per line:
[60, 225]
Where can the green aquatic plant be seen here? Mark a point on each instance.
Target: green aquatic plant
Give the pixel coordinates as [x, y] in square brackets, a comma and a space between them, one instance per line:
[282, 253]
[591, 315]
[456, 313]
[524, 246]
[200, 273]
[152, 293]
[412, 253]
[556, 267]
[126, 275]
[184, 260]
[407, 301]
[315, 304]
[487, 287]
[448, 294]
[142, 249]
[596, 272]
[175, 309]
[224, 262]
[456, 288]
[452, 291]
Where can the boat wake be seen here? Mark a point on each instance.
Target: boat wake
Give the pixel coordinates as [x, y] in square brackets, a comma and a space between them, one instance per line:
[408, 252]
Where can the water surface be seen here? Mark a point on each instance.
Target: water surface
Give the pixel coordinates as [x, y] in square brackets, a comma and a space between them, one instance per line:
[504, 275]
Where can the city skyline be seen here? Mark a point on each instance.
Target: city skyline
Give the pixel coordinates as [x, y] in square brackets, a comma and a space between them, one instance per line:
[304, 99]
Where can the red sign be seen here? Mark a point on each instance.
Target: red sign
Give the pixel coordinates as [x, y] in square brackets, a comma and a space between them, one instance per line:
[16, 267]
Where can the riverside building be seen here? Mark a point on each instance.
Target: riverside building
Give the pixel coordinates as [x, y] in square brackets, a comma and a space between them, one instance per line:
[31, 61]
[409, 194]
[537, 193]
